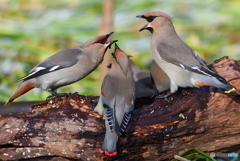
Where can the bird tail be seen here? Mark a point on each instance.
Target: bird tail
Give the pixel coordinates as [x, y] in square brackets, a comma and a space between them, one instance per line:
[228, 88]
[23, 88]
[212, 81]
[109, 146]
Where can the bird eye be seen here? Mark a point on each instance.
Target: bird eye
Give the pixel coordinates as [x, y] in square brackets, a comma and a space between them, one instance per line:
[150, 19]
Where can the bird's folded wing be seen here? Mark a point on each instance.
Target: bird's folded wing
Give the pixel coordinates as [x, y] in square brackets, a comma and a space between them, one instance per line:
[185, 58]
[109, 113]
[62, 59]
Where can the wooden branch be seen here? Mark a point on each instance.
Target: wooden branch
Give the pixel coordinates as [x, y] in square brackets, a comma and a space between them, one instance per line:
[67, 128]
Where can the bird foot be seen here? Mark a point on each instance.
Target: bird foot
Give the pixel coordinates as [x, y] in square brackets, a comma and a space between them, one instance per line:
[163, 96]
[166, 97]
[61, 94]
[58, 95]
[50, 97]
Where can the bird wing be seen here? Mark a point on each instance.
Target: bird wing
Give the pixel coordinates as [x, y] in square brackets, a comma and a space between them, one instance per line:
[110, 113]
[111, 117]
[181, 55]
[62, 59]
[125, 120]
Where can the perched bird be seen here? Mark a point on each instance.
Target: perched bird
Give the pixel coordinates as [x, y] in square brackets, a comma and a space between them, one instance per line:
[183, 65]
[117, 93]
[160, 79]
[143, 81]
[65, 67]
[143, 84]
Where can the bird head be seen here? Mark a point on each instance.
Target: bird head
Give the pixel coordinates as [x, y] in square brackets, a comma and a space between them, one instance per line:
[155, 19]
[121, 59]
[99, 43]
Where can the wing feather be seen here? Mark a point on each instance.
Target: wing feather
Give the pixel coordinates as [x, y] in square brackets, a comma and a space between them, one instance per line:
[60, 60]
[186, 58]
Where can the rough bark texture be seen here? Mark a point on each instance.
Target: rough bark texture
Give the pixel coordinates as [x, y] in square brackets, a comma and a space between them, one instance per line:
[67, 128]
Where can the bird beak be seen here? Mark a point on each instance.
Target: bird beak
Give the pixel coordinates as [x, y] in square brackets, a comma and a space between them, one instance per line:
[108, 35]
[140, 16]
[148, 25]
[116, 46]
[108, 43]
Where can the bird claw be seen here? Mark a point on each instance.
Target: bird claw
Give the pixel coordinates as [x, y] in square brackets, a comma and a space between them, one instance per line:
[163, 96]
[50, 97]
[58, 95]
[61, 94]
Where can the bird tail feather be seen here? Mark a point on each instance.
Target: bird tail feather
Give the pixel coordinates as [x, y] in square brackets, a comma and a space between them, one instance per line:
[23, 88]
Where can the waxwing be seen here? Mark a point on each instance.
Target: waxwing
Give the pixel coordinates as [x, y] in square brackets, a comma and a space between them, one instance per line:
[143, 81]
[160, 79]
[117, 95]
[143, 84]
[65, 67]
[183, 65]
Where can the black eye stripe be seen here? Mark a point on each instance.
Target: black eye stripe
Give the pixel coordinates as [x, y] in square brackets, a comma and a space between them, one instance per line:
[101, 41]
[150, 19]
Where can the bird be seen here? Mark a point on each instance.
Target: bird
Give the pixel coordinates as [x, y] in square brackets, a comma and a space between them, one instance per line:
[183, 65]
[65, 67]
[143, 81]
[160, 79]
[118, 96]
[143, 84]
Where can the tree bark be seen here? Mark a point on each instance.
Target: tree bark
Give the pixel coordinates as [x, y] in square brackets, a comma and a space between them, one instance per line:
[67, 128]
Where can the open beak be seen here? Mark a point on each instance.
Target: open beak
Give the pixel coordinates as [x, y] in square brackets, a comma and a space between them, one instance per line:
[148, 25]
[109, 43]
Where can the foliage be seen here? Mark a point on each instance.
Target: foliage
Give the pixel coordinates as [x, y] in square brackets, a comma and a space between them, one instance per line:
[31, 31]
[195, 155]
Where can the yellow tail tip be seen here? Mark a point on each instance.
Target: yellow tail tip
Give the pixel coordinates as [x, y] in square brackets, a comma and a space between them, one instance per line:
[229, 91]
[7, 104]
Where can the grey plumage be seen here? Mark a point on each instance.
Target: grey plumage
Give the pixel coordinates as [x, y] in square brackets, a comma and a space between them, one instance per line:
[143, 84]
[65, 67]
[118, 100]
[160, 79]
[143, 81]
[184, 66]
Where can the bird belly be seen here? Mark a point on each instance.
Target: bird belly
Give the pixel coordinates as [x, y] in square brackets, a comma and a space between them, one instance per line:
[179, 76]
[59, 78]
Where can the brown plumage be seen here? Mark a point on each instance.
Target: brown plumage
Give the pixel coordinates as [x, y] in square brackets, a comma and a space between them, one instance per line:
[183, 65]
[65, 67]
[118, 94]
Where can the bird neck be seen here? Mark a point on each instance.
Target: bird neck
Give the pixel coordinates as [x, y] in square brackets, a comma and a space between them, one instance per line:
[165, 33]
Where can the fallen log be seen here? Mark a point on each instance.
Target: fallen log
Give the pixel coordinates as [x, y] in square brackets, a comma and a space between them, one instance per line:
[67, 128]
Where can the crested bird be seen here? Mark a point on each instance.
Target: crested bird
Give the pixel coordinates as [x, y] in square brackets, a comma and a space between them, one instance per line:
[118, 95]
[183, 65]
[65, 67]
[143, 84]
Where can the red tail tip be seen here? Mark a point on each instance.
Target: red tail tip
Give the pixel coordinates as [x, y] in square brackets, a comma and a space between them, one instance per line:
[100, 150]
[110, 154]
[107, 153]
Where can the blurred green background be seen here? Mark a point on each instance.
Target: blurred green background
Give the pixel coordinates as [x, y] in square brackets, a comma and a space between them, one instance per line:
[32, 30]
